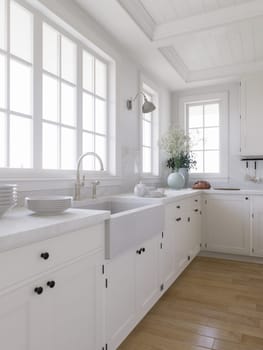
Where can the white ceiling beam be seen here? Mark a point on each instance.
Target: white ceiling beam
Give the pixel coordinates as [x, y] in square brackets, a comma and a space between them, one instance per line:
[164, 33]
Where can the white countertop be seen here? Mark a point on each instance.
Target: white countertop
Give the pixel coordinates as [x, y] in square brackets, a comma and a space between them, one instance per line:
[21, 227]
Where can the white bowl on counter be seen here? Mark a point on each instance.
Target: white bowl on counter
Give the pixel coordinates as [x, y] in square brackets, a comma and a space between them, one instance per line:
[48, 205]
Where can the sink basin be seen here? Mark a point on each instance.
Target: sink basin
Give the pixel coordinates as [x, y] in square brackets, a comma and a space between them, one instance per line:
[132, 221]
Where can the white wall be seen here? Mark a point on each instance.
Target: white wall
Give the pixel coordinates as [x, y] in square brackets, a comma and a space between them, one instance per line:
[236, 172]
[127, 85]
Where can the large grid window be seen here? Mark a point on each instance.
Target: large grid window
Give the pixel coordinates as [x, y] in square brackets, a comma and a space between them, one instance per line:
[53, 95]
[203, 120]
[59, 101]
[16, 71]
[94, 110]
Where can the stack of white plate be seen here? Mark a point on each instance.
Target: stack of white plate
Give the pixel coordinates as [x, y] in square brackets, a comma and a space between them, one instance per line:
[8, 198]
[48, 205]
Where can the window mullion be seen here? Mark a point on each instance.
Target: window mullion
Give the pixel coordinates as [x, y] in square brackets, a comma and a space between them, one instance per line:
[8, 83]
[37, 94]
[79, 100]
[59, 103]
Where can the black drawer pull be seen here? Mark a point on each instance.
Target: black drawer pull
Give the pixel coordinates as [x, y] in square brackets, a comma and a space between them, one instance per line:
[178, 219]
[143, 250]
[196, 210]
[38, 290]
[138, 252]
[44, 256]
[178, 206]
[196, 200]
[51, 284]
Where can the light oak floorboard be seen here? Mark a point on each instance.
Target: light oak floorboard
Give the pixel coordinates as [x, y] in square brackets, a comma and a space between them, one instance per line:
[215, 304]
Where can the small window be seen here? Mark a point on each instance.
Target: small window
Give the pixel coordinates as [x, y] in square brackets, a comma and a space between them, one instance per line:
[150, 136]
[206, 126]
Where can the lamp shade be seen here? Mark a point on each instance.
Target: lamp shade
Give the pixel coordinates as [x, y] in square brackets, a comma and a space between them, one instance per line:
[148, 106]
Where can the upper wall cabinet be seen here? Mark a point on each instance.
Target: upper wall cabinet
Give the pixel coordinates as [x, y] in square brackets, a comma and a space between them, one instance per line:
[252, 115]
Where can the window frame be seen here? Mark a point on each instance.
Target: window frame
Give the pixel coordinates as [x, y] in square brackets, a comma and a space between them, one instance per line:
[222, 99]
[83, 44]
[149, 88]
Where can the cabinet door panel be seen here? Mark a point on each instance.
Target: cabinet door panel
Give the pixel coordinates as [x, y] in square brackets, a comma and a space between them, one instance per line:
[75, 306]
[23, 319]
[147, 283]
[120, 298]
[257, 227]
[226, 222]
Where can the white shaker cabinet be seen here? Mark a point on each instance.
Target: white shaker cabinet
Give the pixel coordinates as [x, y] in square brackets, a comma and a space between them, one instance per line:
[60, 308]
[252, 115]
[226, 224]
[257, 226]
[133, 288]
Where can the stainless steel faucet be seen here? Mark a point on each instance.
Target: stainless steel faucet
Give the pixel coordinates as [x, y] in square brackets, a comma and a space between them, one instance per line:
[78, 184]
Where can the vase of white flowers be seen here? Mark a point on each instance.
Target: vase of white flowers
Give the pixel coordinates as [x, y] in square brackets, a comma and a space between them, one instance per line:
[177, 145]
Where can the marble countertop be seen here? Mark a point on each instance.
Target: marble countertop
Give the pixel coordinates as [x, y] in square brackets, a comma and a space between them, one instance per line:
[20, 227]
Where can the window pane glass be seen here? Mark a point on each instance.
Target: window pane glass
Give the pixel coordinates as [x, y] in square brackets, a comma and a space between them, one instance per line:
[212, 114]
[2, 81]
[195, 116]
[199, 157]
[88, 71]
[50, 49]
[50, 98]
[100, 118]
[68, 148]
[212, 161]
[68, 60]
[2, 24]
[21, 32]
[20, 142]
[196, 136]
[211, 138]
[50, 146]
[20, 87]
[100, 149]
[68, 104]
[146, 160]
[88, 146]
[146, 133]
[2, 140]
[88, 112]
[101, 79]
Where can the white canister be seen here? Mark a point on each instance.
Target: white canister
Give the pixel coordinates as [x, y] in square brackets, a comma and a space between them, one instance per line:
[140, 189]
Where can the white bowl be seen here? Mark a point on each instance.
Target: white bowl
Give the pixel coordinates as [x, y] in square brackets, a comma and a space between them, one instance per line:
[48, 205]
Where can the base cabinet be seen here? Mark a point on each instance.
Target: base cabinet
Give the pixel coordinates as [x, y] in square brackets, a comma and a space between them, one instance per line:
[227, 224]
[133, 288]
[257, 226]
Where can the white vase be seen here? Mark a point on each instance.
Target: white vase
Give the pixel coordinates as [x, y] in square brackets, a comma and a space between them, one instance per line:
[185, 172]
[176, 180]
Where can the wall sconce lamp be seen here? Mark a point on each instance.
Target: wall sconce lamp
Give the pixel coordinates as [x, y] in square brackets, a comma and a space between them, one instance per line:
[147, 106]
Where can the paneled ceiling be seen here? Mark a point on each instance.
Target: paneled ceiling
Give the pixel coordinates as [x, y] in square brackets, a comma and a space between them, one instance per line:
[169, 10]
[201, 40]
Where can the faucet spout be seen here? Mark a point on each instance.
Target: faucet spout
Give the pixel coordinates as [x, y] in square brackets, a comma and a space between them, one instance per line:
[78, 185]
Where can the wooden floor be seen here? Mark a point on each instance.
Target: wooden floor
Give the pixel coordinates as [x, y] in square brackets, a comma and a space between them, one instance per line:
[214, 304]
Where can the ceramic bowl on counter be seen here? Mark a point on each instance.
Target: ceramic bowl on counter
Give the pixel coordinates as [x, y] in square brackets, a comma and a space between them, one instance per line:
[48, 205]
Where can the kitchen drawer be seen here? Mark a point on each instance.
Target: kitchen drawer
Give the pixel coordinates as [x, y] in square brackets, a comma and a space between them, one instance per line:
[22, 263]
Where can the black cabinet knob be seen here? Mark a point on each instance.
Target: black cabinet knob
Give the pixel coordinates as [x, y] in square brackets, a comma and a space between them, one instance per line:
[44, 256]
[178, 206]
[51, 284]
[143, 250]
[189, 258]
[196, 210]
[246, 198]
[38, 290]
[178, 219]
[138, 251]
